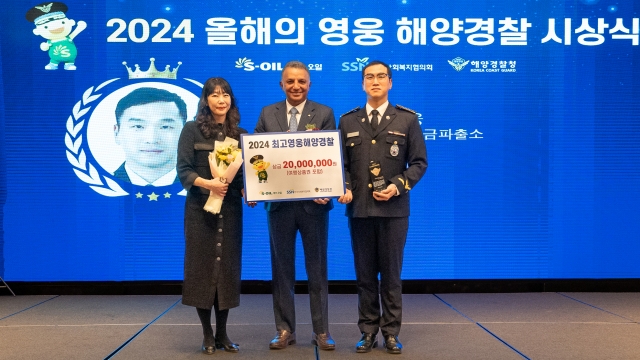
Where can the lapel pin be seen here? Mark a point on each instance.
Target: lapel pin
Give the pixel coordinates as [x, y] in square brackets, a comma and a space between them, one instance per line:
[388, 117]
[362, 119]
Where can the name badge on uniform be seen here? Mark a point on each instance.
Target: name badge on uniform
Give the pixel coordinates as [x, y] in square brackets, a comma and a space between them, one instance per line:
[353, 134]
[394, 151]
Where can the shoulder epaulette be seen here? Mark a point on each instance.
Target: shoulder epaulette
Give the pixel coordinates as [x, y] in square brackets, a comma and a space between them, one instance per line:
[351, 111]
[405, 109]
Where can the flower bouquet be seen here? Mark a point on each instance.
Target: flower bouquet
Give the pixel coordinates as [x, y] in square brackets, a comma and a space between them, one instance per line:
[224, 162]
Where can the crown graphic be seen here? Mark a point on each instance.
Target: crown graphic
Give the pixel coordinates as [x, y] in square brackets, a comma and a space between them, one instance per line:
[152, 73]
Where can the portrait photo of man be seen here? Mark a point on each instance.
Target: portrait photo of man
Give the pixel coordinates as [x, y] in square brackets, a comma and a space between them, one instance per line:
[148, 126]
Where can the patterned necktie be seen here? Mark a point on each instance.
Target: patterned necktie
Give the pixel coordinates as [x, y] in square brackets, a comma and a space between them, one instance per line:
[374, 120]
[293, 122]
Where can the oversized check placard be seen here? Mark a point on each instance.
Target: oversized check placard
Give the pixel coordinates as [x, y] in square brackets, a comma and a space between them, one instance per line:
[292, 166]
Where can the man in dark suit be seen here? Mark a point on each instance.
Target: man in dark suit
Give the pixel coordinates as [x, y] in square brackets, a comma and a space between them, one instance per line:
[148, 125]
[382, 145]
[310, 217]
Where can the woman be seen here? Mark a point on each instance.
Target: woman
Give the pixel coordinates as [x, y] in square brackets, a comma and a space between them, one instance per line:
[213, 242]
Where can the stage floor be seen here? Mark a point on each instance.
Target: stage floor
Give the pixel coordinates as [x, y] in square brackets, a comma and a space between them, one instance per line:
[441, 326]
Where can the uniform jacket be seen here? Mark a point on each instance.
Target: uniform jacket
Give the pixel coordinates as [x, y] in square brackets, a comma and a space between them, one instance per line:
[273, 118]
[398, 145]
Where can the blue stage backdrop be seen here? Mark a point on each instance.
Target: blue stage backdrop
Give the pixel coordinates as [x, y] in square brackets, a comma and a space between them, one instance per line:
[529, 109]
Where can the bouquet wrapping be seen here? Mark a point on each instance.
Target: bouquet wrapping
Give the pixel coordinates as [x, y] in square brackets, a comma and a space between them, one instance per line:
[224, 161]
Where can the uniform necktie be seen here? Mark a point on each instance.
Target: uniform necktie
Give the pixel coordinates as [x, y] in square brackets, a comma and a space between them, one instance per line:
[374, 120]
[293, 122]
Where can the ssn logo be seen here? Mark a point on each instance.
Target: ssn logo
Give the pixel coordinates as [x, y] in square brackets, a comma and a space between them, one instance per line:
[357, 65]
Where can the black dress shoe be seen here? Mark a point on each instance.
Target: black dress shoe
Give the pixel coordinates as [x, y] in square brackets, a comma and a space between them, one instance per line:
[366, 343]
[323, 341]
[283, 339]
[209, 350]
[227, 345]
[392, 344]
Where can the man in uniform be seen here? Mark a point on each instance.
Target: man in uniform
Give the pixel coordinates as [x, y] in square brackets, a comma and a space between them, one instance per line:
[383, 143]
[310, 217]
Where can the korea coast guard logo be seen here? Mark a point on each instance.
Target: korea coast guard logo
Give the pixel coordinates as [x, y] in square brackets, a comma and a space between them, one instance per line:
[122, 135]
[458, 63]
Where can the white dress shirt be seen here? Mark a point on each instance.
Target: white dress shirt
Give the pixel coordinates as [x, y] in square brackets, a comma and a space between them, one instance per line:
[381, 109]
[164, 180]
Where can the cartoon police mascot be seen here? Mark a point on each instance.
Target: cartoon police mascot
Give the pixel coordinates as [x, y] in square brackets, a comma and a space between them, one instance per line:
[260, 166]
[53, 25]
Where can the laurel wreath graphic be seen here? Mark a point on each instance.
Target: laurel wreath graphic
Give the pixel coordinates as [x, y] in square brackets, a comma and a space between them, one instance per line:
[85, 171]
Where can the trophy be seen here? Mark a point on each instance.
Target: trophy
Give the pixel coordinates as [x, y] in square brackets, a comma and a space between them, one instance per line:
[377, 180]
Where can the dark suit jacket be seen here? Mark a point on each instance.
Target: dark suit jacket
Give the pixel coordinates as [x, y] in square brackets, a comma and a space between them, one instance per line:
[273, 118]
[121, 174]
[398, 145]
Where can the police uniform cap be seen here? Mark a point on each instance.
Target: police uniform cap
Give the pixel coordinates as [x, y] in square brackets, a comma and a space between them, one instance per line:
[45, 8]
[256, 158]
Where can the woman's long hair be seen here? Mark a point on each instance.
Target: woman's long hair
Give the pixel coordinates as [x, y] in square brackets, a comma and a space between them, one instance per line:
[204, 117]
